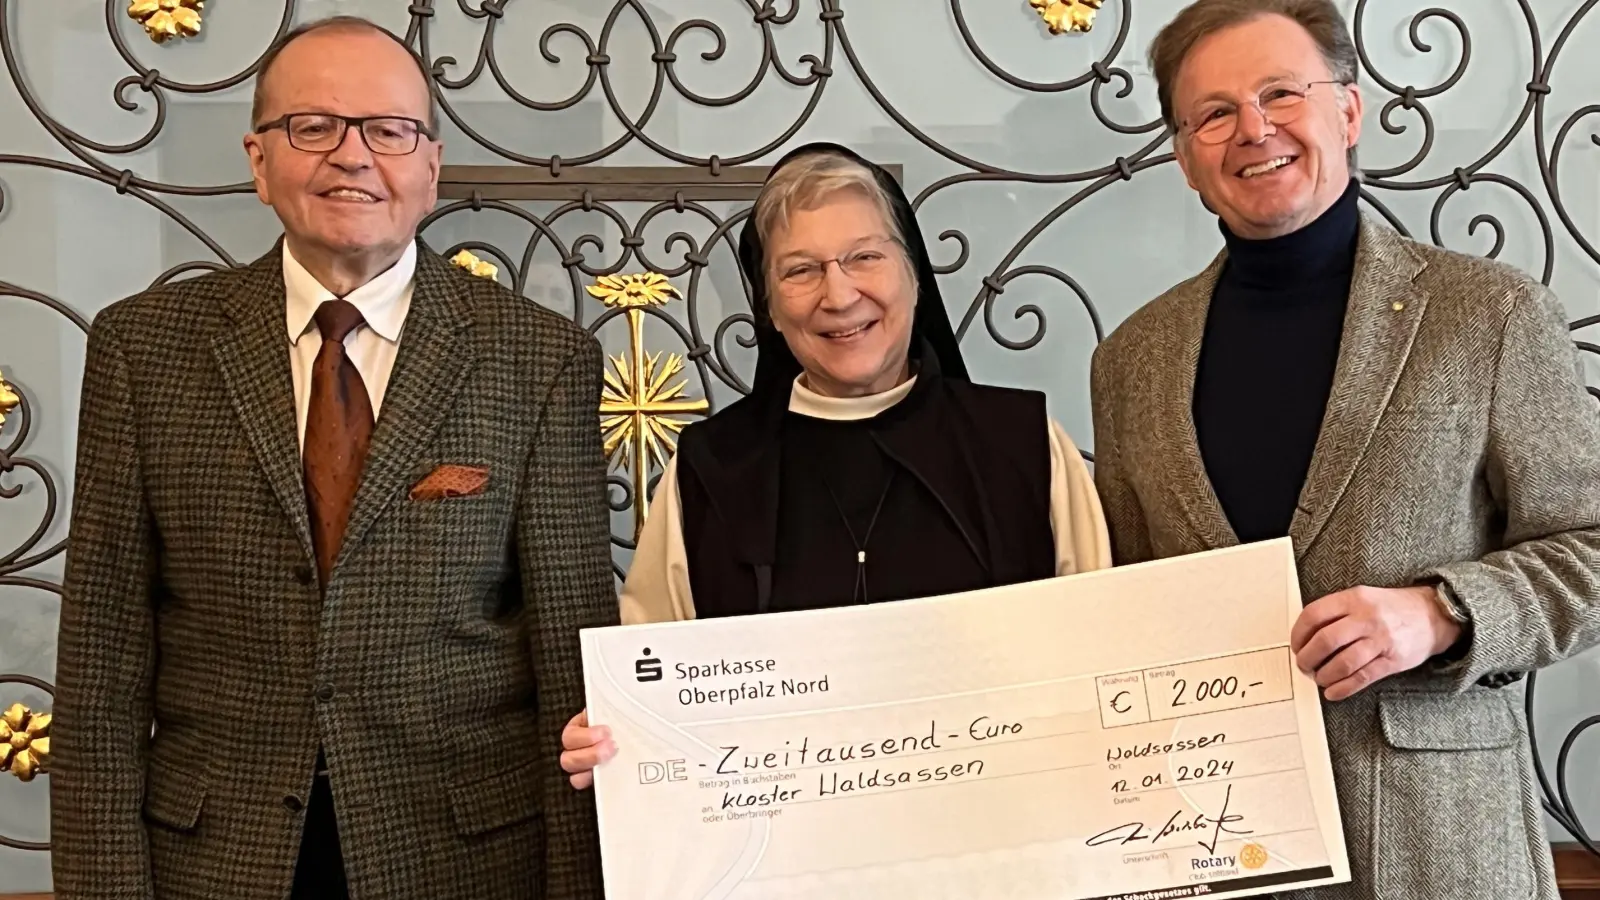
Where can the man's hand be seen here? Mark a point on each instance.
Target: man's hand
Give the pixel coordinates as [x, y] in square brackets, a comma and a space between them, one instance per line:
[1356, 638]
[583, 748]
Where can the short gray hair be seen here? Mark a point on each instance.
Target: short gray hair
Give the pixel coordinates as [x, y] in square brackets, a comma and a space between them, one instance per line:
[806, 182]
[1320, 18]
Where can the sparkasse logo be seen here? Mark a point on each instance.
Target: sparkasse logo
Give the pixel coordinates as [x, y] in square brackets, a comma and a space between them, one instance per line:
[647, 668]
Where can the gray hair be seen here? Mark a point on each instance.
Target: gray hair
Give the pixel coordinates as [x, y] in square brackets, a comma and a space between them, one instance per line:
[807, 182]
[1320, 18]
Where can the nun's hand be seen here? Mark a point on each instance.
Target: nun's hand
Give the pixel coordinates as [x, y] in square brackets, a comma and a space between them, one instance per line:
[583, 748]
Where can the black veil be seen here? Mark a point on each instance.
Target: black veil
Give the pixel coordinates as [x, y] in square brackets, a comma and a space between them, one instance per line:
[776, 367]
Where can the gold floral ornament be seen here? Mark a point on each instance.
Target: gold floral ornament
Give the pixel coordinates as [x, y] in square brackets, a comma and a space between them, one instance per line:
[165, 19]
[1063, 16]
[629, 291]
[641, 405]
[24, 742]
[8, 399]
[467, 260]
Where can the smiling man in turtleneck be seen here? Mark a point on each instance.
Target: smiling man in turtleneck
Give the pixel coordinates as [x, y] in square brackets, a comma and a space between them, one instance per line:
[1413, 419]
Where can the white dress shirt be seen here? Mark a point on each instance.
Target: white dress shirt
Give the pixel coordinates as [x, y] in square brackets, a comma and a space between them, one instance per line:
[383, 302]
[657, 588]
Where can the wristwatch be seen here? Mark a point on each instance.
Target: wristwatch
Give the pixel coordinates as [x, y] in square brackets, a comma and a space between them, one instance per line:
[1455, 657]
[1454, 610]
[1449, 604]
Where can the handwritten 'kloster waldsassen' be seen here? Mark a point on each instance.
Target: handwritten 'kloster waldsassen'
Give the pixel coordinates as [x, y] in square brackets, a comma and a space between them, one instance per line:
[835, 782]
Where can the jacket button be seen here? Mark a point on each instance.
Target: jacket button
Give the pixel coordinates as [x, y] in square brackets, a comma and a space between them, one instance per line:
[325, 693]
[304, 575]
[293, 804]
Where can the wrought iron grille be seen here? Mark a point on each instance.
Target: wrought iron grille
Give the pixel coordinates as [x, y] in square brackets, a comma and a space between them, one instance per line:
[702, 187]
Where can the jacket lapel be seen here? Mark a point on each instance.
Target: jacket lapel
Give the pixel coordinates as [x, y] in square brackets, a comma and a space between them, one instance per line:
[253, 358]
[1380, 327]
[1175, 438]
[434, 360]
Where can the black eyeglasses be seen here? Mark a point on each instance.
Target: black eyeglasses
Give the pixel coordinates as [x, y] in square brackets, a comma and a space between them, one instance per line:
[323, 132]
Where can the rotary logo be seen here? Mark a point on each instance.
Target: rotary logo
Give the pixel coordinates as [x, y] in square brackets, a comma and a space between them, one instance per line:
[1252, 856]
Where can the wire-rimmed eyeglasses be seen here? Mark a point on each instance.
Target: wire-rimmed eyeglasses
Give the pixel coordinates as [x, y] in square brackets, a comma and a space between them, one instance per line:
[1279, 103]
[322, 132]
[801, 276]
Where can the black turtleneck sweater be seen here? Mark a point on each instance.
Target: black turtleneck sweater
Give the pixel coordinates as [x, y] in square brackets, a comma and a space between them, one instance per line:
[1267, 363]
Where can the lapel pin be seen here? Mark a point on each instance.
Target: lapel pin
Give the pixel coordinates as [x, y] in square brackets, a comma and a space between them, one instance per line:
[1398, 306]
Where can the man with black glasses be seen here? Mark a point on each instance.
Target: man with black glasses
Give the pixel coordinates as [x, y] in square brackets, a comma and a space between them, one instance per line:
[339, 517]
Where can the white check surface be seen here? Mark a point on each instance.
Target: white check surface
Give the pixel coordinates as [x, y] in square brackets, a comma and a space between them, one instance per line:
[1139, 734]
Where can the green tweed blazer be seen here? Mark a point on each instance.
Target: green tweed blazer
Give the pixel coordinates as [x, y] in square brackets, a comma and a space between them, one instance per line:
[1458, 444]
[199, 669]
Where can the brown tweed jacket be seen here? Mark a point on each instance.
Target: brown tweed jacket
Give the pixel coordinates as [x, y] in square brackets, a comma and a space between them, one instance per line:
[1458, 443]
[440, 667]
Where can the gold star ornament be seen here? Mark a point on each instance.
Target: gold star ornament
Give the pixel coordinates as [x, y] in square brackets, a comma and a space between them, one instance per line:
[8, 399]
[167, 19]
[637, 406]
[643, 399]
[24, 742]
[1064, 16]
[466, 260]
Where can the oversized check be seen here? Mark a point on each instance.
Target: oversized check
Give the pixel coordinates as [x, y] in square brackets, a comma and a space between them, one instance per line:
[1135, 733]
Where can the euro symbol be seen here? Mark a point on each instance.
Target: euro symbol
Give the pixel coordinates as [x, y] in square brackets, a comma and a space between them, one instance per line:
[1118, 699]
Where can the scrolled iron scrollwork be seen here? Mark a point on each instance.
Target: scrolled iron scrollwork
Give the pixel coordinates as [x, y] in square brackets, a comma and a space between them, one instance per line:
[697, 233]
[16, 562]
[600, 61]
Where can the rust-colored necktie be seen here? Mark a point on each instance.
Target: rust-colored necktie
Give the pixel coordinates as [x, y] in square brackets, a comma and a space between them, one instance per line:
[338, 429]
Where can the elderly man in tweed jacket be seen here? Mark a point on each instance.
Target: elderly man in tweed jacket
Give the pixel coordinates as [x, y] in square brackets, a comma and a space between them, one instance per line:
[339, 517]
[1414, 419]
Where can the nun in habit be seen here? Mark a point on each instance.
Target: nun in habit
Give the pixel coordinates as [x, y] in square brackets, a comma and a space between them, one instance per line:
[864, 466]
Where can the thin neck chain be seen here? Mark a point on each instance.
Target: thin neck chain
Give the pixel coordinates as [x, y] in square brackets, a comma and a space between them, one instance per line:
[860, 595]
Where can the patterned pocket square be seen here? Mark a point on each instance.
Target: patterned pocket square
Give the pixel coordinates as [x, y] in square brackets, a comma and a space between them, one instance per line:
[451, 481]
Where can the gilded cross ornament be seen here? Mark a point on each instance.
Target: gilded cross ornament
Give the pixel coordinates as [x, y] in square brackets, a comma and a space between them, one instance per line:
[466, 259]
[1063, 16]
[166, 19]
[24, 742]
[8, 399]
[642, 405]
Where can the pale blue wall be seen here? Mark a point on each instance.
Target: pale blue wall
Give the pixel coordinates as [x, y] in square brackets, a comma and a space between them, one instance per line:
[77, 240]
